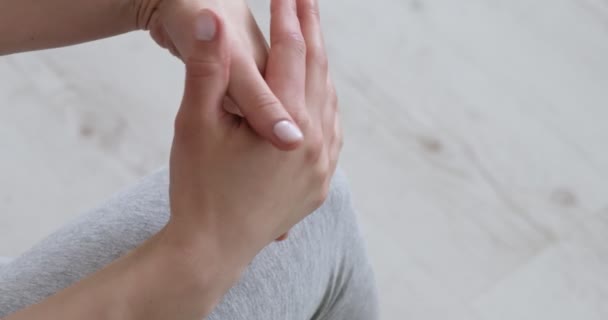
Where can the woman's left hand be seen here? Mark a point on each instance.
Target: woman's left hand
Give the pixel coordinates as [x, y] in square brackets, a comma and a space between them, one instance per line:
[170, 21]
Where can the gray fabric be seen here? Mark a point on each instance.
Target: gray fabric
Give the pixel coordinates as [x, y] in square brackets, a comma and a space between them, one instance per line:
[4, 261]
[320, 272]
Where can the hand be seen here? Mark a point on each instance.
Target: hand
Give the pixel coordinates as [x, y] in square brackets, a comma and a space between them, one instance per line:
[170, 24]
[228, 187]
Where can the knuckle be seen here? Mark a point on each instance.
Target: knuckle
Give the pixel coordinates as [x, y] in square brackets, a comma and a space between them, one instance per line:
[322, 172]
[337, 139]
[334, 100]
[314, 151]
[277, 7]
[200, 68]
[338, 142]
[293, 41]
[300, 116]
[313, 154]
[318, 57]
[265, 103]
[310, 8]
[340, 135]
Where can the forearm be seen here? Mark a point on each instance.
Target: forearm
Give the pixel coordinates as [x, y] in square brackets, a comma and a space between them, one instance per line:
[162, 279]
[38, 24]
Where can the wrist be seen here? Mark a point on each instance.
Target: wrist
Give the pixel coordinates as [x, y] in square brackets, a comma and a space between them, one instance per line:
[169, 268]
[231, 250]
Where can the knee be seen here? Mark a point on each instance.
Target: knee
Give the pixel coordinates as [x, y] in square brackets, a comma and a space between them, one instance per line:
[336, 215]
[339, 200]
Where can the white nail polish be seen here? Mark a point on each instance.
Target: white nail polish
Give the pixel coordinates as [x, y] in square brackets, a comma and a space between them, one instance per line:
[205, 27]
[287, 132]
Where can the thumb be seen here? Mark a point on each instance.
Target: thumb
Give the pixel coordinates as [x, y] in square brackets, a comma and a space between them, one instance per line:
[207, 74]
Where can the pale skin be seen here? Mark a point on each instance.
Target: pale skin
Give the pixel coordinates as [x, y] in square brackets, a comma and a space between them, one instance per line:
[184, 270]
[56, 23]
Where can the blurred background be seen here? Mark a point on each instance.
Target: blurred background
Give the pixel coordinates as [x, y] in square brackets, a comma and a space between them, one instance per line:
[476, 146]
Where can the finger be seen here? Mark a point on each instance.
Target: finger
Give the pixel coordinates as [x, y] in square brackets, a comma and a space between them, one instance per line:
[157, 33]
[207, 73]
[263, 111]
[268, 111]
[173, 50]
[249, 92]
[248, 88]
[330, 110]
[336, 145]
[333, 127]
[316, 56]
[286, 68]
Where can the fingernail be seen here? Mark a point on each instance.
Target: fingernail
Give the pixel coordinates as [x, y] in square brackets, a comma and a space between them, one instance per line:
[205, 26]
[287, 132]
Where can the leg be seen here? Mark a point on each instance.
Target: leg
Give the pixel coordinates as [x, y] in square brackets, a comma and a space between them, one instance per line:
[320, 272]
[4, 261]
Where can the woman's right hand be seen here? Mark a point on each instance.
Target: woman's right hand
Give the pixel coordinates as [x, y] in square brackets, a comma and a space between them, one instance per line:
[229, 188]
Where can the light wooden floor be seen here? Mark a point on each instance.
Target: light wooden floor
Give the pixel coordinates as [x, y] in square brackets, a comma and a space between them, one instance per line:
[477, 146]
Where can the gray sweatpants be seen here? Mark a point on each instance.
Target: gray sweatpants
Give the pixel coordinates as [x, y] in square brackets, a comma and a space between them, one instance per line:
[320, 272]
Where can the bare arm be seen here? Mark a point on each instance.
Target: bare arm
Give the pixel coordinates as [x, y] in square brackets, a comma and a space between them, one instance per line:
[231, 193]
[158, 280]
[27, 25]
[37, 24]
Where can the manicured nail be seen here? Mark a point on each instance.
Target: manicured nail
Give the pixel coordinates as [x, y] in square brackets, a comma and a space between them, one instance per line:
[206, 26]
[287, 132]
